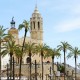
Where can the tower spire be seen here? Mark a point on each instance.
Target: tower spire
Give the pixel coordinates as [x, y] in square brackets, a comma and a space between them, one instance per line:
[36, 6]
[36, 9]
[36, 3]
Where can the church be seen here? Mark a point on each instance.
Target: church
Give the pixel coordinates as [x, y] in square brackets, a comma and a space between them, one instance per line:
[36, 36]
[36, 33]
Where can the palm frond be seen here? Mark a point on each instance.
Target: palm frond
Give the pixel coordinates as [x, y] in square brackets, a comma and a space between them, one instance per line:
[20, 26]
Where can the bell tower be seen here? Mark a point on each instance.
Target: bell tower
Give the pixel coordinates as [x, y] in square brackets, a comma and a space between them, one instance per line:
[36, 23]
[13, 31]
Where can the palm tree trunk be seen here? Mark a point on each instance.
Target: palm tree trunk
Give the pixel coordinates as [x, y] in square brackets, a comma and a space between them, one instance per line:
[20, 69]
[64, 65]
[50, 72]
[0, 66]
[42, 64]
[13, 70]
[10, 65]
[7, 72]
[0, 59]
[21, 56]
[18, 60]
[53, 65]
[24, 40]
[75, 66]
[35, 70]
[30, 64]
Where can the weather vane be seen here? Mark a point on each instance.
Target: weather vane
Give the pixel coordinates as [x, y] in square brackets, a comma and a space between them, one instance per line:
[12, 18]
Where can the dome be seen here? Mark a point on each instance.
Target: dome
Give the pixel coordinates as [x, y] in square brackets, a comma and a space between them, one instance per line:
[36, 10]
[36, 13]
[12, 22]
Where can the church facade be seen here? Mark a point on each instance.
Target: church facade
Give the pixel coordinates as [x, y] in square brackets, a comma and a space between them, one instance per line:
[36, 36]
[36, 33]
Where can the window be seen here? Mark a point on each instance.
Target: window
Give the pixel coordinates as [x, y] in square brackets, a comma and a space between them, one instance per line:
[31, 25]
[38, 25]
[34, 24]
[33, 17]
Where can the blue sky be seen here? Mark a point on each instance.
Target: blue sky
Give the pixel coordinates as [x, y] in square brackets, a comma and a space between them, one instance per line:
[61, 19]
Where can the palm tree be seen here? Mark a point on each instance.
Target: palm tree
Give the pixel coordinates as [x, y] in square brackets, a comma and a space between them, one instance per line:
[18, 52]
[42, 49]
[26, 26]
[53, 53]
[74, 52]
[9, 48]
[2, 35]
[64, 47]
[30, 48]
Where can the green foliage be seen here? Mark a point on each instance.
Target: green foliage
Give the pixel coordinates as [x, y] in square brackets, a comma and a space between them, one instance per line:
[30, 48]
[64, 46]
[42, 49]
[74, 52]
[18, 51]
[9, 45]
[60, 68]
[2, 32]
[24, 25]
[2, 36]
[54, 52]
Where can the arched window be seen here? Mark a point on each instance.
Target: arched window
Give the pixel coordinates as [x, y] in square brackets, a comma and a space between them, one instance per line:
[31, 26]
[34, 24]
[38, 25]
[28, 59]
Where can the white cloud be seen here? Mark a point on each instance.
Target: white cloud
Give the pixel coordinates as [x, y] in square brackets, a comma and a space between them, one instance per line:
[68, 25]
[76, 9]
[72, 7]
